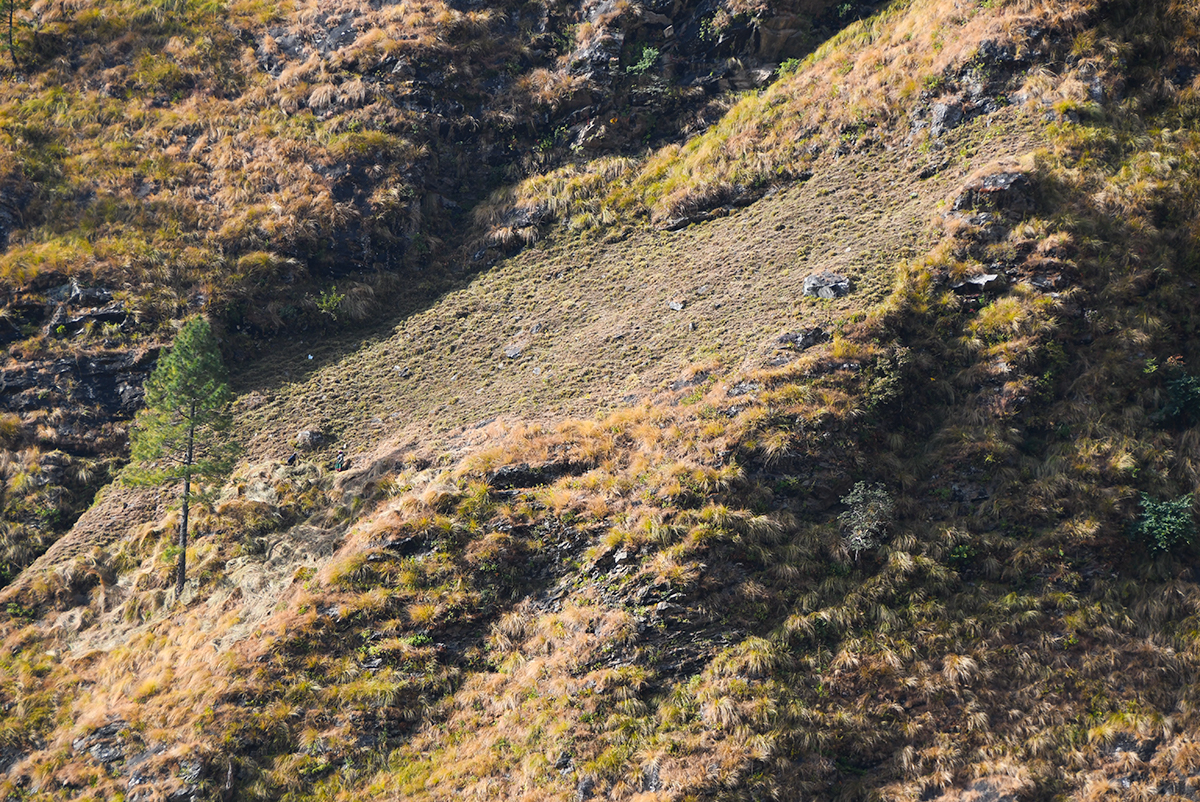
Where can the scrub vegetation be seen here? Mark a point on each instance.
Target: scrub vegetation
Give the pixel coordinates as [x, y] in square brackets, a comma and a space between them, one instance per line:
[931, 539]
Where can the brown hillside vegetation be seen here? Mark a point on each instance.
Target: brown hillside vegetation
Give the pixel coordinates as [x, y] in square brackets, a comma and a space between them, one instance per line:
[568, 330]
[939, 550]
[294, 167]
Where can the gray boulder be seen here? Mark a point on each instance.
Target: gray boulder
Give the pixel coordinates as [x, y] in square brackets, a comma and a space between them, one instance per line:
[946, 116]
[827, 285]
[585, 788]
[1007, 191]
[105, 744]
[309, 439]
[973, 285]
[802, 340]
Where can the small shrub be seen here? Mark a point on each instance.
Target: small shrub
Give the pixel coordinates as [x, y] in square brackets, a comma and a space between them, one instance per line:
[330, 302]
[869, 516]
[169, 554]
[1183, 400]
[1167, 525]
[961, 555]
[646, 59]
[20, 612]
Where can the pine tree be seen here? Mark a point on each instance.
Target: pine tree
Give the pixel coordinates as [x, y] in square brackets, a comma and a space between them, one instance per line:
[182, 432]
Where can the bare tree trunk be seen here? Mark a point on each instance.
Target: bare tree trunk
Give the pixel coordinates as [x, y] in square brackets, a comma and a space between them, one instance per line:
[12, 51]
[181, 571]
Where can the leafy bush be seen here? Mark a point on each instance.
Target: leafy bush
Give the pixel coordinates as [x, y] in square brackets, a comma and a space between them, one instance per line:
[961, 555]
[645, 60]
[1166, 524]
[330, 302]
[870, 514]
[1183, 399]
[20, 612]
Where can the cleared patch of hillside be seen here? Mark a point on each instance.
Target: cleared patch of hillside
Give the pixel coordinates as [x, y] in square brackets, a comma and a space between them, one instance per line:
[579, 327]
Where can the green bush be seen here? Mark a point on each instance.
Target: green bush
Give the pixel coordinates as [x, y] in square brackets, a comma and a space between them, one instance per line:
[646, 59]
[961, 555]
[20, 612]
[1166, 524]
[1183, 399]
[330, 302]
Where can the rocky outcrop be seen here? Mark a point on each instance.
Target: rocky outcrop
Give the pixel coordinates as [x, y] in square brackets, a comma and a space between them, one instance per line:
[803, 340]
[524, 475]
[946, 115]
[649, 67]
[152, 773]
[599, 59]
[1003, 191]
[174, 780]
[67, 405]
[977, 285]
[63, 310]
[93, 386]
[977, 87]
[310, 439]
[105, 744]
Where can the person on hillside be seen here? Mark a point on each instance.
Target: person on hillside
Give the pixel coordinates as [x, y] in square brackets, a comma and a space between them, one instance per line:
[339, 462]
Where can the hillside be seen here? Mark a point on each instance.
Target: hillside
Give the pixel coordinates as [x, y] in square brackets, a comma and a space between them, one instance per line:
[293, 170]
[629, 515]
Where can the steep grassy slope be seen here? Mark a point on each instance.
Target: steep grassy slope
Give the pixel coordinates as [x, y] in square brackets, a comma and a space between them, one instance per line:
[579, 328]
[655, 599]
[292, 168]
[239, 157]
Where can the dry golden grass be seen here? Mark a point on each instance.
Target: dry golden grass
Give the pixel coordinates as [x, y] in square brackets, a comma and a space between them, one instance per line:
[157, 151]
[1018, 636]
[864, 79]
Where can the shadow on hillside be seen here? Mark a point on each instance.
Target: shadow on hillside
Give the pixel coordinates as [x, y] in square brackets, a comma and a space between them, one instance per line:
[295, 357]
[292, 358]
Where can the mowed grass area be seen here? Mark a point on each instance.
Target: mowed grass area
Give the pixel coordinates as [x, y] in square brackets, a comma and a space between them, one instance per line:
[577, 327]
